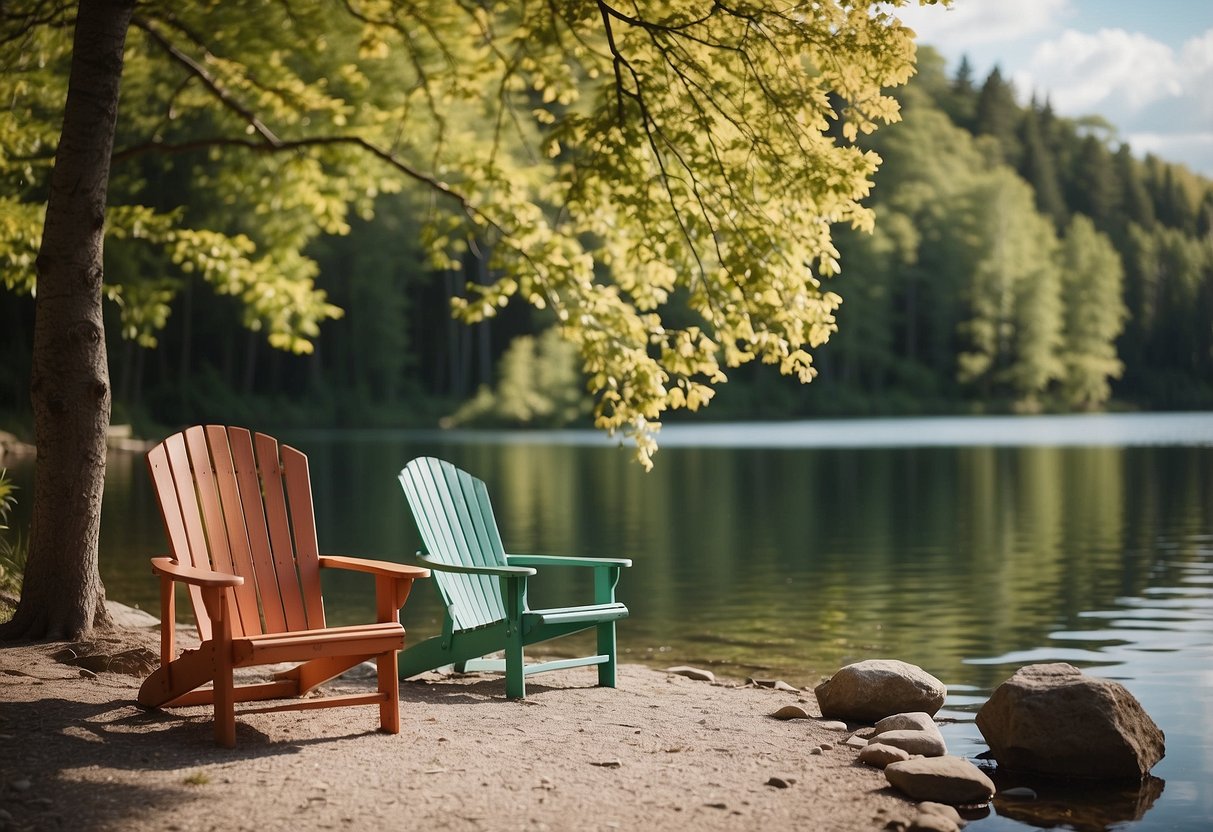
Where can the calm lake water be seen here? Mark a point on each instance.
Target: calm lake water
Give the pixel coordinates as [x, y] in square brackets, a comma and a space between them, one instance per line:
[969, 547]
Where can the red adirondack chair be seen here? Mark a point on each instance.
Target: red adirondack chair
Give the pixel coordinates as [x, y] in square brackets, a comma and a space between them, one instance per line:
[239, 519]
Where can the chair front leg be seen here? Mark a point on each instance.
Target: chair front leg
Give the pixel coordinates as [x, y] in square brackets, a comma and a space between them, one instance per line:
[605, 580]
[217, 604]
[515, 602]
[606, 647]
[390, 594]
[168, 620]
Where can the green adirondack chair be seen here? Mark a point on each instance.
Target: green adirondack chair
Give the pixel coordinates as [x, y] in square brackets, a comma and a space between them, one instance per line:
[485, 589]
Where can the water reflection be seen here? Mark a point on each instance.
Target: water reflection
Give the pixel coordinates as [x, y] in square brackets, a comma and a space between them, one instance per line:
[1084, 807]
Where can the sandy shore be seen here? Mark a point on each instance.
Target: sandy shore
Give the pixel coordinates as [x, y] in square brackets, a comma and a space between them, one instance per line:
[659, 752]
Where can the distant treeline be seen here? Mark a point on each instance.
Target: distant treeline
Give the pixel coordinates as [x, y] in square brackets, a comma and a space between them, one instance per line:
[1021, 261]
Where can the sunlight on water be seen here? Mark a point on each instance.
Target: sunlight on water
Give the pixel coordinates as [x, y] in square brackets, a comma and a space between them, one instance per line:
[1082, 430]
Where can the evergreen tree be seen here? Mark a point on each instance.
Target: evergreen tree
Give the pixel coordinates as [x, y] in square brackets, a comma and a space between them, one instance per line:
[997, 115]
[1037, 166]
[1134, 203]
[1093, 188]
[961, 102]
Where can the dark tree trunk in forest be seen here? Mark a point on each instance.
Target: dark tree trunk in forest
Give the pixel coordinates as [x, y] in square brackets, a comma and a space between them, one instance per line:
[70, 388]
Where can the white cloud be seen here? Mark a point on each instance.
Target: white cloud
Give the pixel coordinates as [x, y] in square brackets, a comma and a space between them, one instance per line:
[1145, 87]
[1112, 72]
[1196, 58]
[970, 23]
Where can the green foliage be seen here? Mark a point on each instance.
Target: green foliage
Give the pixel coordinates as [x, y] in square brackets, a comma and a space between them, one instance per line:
[601, 159]
[539, 385]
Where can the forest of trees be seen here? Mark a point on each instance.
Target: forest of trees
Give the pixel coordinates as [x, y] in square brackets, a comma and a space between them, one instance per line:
[1021, 262]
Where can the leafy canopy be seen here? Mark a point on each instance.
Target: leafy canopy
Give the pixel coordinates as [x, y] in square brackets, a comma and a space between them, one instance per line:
[602, 159]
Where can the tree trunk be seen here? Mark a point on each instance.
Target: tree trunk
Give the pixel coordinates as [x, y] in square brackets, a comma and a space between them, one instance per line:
[69, 387]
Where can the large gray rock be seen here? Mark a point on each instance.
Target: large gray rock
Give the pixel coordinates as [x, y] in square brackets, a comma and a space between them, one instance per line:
[874, 689]
[950, 780]
[1054, 719]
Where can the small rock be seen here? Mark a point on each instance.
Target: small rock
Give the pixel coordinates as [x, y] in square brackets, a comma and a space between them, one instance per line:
[856, 741]
[85, 673]
[827, 746]
[22, 785]
[877, 688]
[6, 816]
[816, 751]
[776, 684]
[1018, 793]
[931, 808]
[791, 712]
[880, 755]
[692, 673]
[833, 725]
[608, 764]
[926, 743]
[950, 780]
[778, 782]
[932, 823]
[914, 721]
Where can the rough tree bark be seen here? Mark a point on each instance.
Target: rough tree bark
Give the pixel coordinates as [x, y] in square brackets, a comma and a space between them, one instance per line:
[62, 594]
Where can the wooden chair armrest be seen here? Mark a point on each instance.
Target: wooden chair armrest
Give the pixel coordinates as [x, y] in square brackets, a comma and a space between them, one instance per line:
[375, 567]
[496, 571]
[169, 568]
[560, 560]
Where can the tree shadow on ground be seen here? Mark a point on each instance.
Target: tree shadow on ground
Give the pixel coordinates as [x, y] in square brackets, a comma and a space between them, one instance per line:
[50, 745]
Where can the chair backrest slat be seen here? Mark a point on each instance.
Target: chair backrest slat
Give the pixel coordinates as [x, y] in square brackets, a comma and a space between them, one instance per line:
[247, 605]
[470, 598]
[278, 522]
[168, 496]
[249, 485]
[455, 519]
[303, 526]
[211, 512]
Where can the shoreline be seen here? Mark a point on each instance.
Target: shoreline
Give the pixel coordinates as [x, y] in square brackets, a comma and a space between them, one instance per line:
[661, 751]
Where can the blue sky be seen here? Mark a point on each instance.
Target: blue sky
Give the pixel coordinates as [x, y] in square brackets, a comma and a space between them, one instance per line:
[1145, 65]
